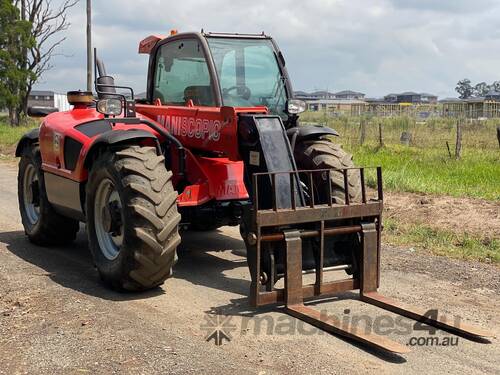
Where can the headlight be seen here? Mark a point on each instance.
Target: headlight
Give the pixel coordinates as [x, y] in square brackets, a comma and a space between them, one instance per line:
[296, 106]
[109, 106]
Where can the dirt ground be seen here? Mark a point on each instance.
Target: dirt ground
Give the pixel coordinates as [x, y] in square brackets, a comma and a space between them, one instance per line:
[56, 317]
[473, 216]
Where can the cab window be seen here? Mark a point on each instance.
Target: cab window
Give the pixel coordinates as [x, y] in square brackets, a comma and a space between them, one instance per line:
[181, 74]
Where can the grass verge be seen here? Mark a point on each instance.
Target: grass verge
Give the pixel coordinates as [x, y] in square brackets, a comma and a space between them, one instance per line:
[429, 170]
[442, 242]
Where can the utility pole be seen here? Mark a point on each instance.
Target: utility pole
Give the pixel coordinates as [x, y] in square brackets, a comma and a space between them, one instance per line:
[89, 45]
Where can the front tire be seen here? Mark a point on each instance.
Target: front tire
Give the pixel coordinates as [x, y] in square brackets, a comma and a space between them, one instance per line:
[42, 224]
[132, 218]
[323, 154]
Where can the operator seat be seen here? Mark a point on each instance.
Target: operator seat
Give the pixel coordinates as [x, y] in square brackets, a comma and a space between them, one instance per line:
[200, 95]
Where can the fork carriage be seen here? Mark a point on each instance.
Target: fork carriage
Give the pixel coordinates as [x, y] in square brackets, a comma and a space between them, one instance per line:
[291, 223]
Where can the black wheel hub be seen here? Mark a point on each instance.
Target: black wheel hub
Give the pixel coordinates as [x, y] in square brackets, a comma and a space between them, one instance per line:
[112, 218]
[35, 194]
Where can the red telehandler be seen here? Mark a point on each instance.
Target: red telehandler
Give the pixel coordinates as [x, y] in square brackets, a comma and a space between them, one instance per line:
[216, 142]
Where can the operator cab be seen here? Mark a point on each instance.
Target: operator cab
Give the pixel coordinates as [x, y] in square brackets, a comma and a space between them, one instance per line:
[214, 70]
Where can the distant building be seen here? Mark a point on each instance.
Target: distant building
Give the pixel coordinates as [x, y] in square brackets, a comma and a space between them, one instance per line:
[41, 98]
[492, 95]
[349, 95]
[390, 98]
[428, 98]
[411, 97]
[327, 95]
[302, 95]
[474, 107]
[322, 95]
[345, 102]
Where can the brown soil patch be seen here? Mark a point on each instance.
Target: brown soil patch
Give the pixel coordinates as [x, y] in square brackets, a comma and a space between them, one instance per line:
[460, 215]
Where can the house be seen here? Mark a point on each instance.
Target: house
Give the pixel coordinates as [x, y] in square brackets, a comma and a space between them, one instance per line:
[302, 95]
[391, 98]
[409, 97]
[41, 98]
[349, 95]
[474, 108]
[492, 95]
[322, 95]
[351, 107]
[428, 98]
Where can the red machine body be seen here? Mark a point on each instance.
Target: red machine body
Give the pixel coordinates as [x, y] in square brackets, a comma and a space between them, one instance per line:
[198, 128]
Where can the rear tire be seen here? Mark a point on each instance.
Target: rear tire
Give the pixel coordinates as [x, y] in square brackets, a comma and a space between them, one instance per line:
[42, 224]
[132, 218]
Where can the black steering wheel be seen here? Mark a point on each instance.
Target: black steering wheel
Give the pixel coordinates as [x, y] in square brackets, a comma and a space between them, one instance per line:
[243, 91]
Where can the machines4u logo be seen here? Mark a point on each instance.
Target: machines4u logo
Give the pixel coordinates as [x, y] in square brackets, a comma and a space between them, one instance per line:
[218, 328]
[191, 127]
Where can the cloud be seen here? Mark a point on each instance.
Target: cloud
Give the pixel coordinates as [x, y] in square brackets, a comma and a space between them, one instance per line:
[371, 46]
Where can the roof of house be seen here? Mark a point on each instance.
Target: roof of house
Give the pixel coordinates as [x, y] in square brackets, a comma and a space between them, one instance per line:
[493, 93]
[349, 92]
[321, 92]
[41, 93]
[450, 100]
[409, 93]
[336, 101]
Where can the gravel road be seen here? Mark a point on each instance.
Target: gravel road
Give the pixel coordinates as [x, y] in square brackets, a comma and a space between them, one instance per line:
[56, 317]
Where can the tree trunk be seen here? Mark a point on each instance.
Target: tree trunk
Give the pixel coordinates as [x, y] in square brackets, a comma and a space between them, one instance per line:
[498, 135]
[458, 144]
[24, 99]
[13, 117]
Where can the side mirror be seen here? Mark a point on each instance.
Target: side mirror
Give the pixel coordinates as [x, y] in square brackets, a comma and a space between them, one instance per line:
[295, 106]
[109, 107]
[37, 111]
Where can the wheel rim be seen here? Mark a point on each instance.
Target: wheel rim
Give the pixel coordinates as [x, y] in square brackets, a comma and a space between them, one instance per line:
[31, 197]
[108, 219]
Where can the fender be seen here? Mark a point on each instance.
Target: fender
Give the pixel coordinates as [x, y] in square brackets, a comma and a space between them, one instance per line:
[307, 132]
[26, 139]
[112, 137]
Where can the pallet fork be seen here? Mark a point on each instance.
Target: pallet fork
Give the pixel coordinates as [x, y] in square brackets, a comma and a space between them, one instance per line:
[286, 225]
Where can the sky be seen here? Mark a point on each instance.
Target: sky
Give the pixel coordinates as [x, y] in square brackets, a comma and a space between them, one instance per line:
[376, 47]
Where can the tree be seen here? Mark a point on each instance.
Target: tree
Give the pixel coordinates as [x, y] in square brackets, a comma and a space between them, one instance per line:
[15, 38]
[464, 88]
[495, 86]
[47, 22]
[481, 89]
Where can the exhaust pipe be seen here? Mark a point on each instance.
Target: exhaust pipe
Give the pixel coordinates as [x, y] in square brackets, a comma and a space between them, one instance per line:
[103, 83]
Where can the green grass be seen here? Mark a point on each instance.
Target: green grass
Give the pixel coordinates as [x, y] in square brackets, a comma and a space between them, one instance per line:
[10, 135]
[432, 133]
[442, 242]
[425, 165]
[430, 170]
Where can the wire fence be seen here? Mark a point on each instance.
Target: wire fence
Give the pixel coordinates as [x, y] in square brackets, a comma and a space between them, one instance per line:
[412, 131]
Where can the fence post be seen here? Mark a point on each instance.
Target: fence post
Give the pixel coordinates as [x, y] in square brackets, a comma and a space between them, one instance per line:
[380, 136]
[362, 137]
[498, 135]
[448, 147]
[458, 144]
